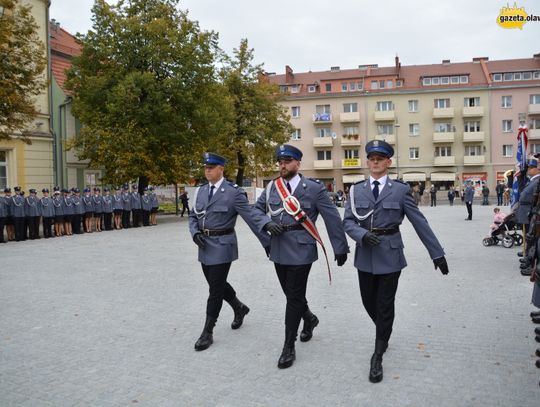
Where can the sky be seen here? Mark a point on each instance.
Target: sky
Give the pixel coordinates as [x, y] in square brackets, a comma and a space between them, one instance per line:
[313, 35]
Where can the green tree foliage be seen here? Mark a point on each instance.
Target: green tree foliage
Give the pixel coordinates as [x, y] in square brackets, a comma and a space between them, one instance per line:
[145, 90]
[22, 68]
[260, 122]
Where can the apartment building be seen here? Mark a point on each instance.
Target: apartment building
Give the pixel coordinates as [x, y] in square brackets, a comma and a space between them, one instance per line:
[447, 122]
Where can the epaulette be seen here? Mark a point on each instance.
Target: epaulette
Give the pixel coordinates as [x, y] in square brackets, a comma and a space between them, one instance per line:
[232, 184]
[400, 181]
[359, 182]
[202, 185]
[318, 181]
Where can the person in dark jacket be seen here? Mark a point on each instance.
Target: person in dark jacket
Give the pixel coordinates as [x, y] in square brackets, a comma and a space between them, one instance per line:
[185, 206]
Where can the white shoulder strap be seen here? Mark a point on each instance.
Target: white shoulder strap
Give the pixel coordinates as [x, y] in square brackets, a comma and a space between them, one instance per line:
[277, 211]
[195, 203]
[353, 206]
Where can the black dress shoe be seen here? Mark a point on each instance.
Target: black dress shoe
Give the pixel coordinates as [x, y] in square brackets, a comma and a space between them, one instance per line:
[240, 311]
[520, 254]
[206, 339]
[535, 314]
[310, 322]
[537, 331]
[538, 363]
[537, 353]
[537, 338]
[376, 370]
[536, 320]
[288, 354]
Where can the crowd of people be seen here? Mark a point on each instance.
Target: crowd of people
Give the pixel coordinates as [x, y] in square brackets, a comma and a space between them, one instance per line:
[67, 212]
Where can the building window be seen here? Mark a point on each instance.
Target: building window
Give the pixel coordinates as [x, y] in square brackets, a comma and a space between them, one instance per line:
[399, 83]
[445, 80]
[517, 76]
[324, 155]
[507, 126]
[3, 170]
[311, 88]
[351, 154]
[534, 100]
[534, 124]
[385, 129]
[381, 84]
[473, 150]
[472, 127]
[535, 148]
[443, 127]
[296, 135]
[350, 107]
[385, 106]
[374, 85]
[322, 109]
[414, 129]
[435, 81]
[426, 81]
[472, 102]
[295, 111]
[350, 131]
[508, 76]
[324, 132]
[295, 89]
[536, 75]
[497, 77]
[507, 150]
[454, 80]
[91, 178]
[441, 103]
[464, 79]
[283, 88]
[352, 86]
[414, 153]
[360, 85]
[506, 101]
[389, 84]
[328, 87]
[527, 76]
[344, 87]
[413, 106]
[443, 151]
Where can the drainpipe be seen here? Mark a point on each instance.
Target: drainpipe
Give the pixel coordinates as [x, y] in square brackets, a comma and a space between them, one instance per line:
[62, 136]
[50, 98]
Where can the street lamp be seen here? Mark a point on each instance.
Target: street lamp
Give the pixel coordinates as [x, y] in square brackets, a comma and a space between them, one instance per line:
[396, 127]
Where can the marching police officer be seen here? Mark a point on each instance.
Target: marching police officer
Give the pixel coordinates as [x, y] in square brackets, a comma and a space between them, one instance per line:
[31, 211]
[293, 245]
[373, 213]
[18, 213]
[211, 223]
[46, 209]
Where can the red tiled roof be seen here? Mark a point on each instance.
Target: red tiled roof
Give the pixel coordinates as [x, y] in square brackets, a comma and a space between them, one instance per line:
[64, 47]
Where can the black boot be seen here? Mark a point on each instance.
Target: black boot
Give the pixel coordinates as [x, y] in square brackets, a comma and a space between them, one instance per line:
[288, 355]
[535, 314]
[240, 311]
[310, 322]
[537, 353]
[206, 339]
[376, 369]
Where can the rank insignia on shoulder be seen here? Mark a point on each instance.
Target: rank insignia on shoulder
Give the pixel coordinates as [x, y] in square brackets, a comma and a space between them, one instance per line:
[318, 181]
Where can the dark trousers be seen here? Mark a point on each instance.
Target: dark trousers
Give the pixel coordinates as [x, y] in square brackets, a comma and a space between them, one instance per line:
[47, 227]
[378, 295]
[433, 201]
[20, 226]
[33, 227]
[76, 223]
[185, 207]
[136, 217]
[218, 287]
[146, 218]
[125, 219]
[107, 220]
[293, 280]
[469, 210]
[499, 199]
[2, 223]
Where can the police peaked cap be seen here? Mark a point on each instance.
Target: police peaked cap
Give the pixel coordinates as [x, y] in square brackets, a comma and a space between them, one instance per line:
[288, 151]
[86, 189]
[56, 189]
[532, 162]
[379, 147]
[45, 190]
[213, 159]
[76, 190]
[6, 190]
[17, 188]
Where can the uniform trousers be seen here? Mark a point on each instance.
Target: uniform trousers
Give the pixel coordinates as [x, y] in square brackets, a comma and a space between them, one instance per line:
[293, 280]
[185, 207]
[47, 226]
[469, 210]
[33, 226]
[20, 232]
[219, 288]
[137, 217]
[2, 223]
[107, 220]
[75, 223]
[125, 219]
[145, 218]
[378, 295]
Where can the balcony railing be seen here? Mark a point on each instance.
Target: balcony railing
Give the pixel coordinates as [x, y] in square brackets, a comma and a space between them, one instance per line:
[385, 116]
[322, 118]
[534, 134]
[474, 159]
[473, 111]
[349, 117]
[351, 163]
[443, 113]
[444, 137]
[323, 164]
[351, 140]
[474, 136]
[389, 138]
[323, 142]
[444, 161]
[534, 109]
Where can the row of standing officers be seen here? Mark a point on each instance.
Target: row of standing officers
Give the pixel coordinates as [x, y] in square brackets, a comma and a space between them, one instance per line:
[69, 212]
[284, 221]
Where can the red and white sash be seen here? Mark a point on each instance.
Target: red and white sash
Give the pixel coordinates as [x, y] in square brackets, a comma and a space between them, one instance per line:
[291, 205]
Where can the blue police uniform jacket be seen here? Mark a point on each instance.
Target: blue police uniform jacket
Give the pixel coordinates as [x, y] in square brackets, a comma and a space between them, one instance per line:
[46, 207]
[107, 204]
[117, 202]
[220, 213]
[297, 247]
[135, 200]
[526, 201]
[58, 206]
[77, 205]
[3, 207]
[393, 204]
[67, 205]
[468, 195]
[126, 201]
[31, 207]
[17, 206]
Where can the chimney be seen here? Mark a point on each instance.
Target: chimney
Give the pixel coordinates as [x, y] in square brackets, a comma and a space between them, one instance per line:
[446, 62]
[334, 68]
[289, 76]
[478, 59]
[536, 56]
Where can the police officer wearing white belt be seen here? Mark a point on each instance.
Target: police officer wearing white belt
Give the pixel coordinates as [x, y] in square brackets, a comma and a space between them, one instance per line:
[211, 223]
[294, 203]
[373, 214]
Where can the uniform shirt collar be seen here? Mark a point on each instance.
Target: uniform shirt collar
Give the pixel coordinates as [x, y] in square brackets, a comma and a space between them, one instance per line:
[217, 184]
[293, 182]
[382, 181]
[536, 176]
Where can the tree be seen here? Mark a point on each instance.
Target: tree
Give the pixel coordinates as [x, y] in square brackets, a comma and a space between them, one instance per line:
[260, 122]
[145, 91]
[22, 68]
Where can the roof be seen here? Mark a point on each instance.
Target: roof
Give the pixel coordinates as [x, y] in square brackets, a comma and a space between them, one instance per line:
[64, 47]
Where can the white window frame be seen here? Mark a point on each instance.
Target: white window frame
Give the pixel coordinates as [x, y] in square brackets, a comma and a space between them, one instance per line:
[328, 87]
[326, 155]
[324, 132]
[320, 109]
[311, 88]
[473, 151]
[296, 134]
[441, 103]
[414, 153]
[351, 131]
[295, 89]
[445, 80]
[504, 101]
[443, 151]
[517, 76]
[535, 148]
[464, 79]
[344, 87]
[351, 154]
[426, 81]
[534, 99]
[385, 106]
[507, 126]
[435, 81]
[527, 76]
[385, 129]
[507, 150]
[473, 101]
[442, 127]
[508, 76]
[4, 164]
[352, 86]
[472, 126]
[454, 80]
[295, 111]
[374, 84]
[497, 77]
[350, 107]
[413, 103]
[414, 129]
[534, 124]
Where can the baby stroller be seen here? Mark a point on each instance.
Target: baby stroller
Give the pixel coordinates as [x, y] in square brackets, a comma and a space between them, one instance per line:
[507, 233]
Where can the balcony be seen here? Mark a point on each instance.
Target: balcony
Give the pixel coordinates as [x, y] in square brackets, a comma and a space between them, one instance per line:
[473, 137]
[443, 113]
[473, 111]
[474, 160]
[534, 109]
[323, 164]
[349, 117]
[444, 161]
[322, 118]
[348, 140]
[351, 163]
[385, 116]
[534, 134]
[447, 137]
[323, 142]
[389, 138]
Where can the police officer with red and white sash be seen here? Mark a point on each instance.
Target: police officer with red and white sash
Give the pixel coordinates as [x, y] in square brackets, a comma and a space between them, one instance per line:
[294, 203]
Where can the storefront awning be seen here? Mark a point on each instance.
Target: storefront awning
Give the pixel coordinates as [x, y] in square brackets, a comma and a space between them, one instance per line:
[352, 178]
[414, 176]
[443, 176]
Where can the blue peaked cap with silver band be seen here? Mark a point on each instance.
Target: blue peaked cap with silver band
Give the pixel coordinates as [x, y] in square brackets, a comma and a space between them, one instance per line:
[379, 147]
[288, 151]
[213, 159]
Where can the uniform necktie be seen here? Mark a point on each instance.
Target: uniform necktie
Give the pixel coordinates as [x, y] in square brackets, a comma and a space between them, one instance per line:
[211, 192]
[289, 188]
[376, 189]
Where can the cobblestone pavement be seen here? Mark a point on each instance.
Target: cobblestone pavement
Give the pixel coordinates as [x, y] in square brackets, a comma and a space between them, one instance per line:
[110, 319]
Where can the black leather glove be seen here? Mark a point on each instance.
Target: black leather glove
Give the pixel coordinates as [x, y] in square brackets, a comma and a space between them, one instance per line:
[267, 250]
[273, 228]
[537, 275]
[371, 239]
[341, 259]
[441, 264]
[198, 238]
